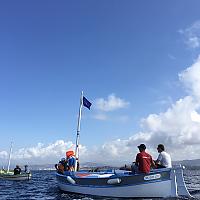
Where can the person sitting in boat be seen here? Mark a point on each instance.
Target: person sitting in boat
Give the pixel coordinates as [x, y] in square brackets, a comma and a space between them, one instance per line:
[26, 169]
[71, 160]
[17, 170]
[64, 163]
[164, 159]
[143, 161]
[60, 166]
[3, 169]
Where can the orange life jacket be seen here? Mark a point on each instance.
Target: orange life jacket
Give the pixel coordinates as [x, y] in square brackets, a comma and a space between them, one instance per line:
[69, 153]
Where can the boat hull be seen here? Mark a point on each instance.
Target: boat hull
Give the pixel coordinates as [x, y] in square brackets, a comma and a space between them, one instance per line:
[12, 177]
[158, 184]
[145, 190]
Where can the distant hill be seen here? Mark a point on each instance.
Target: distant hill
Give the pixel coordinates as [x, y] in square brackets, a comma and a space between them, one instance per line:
[91, 165]
[86, 165]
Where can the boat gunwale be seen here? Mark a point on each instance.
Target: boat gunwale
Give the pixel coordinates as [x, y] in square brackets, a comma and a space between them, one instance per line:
[113, 174]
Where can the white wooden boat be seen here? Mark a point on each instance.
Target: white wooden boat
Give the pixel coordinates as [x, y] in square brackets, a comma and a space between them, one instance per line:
[119, 183]
[19, 177]
[166, 182]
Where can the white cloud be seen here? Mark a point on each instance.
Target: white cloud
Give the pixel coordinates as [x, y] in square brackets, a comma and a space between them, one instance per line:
[111, 104]
[195, 116]
[191, 79]
[40, 153]
[192, 35]
[175, 127]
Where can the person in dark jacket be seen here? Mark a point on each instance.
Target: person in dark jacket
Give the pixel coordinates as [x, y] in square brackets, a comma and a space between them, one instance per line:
[26, 169]
[17, 170]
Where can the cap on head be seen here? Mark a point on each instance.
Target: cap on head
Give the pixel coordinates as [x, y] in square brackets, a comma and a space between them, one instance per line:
[142, 146]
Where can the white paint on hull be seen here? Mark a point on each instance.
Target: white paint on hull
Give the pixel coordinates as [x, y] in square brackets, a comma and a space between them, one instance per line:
[154, 189]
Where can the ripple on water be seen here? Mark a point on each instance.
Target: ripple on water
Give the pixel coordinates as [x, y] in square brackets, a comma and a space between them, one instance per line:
[43, 186]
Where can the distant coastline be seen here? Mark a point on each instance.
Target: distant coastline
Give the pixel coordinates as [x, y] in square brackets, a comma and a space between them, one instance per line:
[189, 164]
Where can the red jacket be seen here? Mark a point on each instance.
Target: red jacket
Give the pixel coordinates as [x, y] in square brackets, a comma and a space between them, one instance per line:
[144, 161]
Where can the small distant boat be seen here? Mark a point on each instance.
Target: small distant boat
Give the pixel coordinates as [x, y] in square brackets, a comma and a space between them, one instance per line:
[18, 177]
[9, 175]
[166, 182]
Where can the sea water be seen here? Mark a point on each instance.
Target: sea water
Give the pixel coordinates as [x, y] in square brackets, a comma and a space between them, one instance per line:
[43, 186]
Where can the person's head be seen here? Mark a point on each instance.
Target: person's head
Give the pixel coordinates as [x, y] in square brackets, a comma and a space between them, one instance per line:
[17, 166]
[63, 160]
[142, 147]
[160, 148]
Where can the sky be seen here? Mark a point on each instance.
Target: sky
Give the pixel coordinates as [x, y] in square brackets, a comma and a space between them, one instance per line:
[137, 62]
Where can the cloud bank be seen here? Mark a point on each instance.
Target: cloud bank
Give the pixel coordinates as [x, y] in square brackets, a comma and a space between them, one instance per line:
[178, 128]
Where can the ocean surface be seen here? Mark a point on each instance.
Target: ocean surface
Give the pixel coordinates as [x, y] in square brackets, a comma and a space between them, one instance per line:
[43, 186]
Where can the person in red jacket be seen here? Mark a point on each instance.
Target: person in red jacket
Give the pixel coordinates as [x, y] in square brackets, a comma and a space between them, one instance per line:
[143, 160]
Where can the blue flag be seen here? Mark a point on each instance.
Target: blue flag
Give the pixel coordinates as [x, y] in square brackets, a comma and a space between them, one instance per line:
[86, 103]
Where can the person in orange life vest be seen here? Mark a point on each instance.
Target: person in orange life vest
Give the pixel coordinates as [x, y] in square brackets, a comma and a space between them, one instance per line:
[143, 160]
[71, 160]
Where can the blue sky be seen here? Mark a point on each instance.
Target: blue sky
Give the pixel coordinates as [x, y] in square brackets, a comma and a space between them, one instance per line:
[125, 55]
